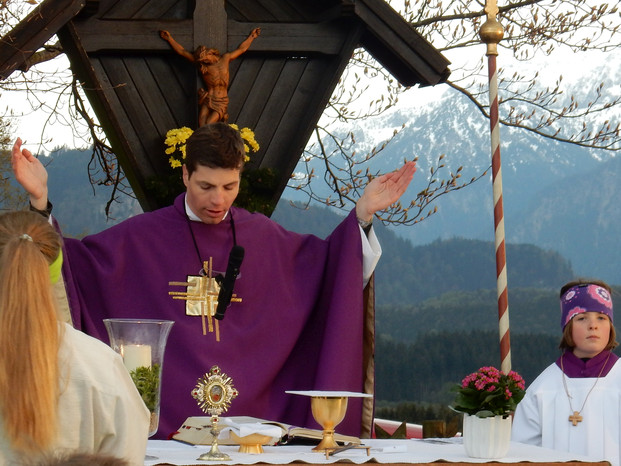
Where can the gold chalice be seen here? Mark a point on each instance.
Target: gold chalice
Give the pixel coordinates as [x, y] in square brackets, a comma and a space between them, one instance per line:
[328, 411]
[328, 408]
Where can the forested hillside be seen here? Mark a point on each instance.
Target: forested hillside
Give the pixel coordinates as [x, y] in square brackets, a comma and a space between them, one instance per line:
[413, 274]
[531, 310]
[425, 370]
[409, 274]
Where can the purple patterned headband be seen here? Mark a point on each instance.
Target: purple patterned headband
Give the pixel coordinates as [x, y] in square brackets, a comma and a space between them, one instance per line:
[585, 298]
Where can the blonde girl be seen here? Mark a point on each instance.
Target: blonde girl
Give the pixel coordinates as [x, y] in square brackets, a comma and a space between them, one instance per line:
[60, 390]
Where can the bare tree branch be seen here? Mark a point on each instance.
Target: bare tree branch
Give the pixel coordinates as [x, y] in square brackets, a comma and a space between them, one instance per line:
[49, 52]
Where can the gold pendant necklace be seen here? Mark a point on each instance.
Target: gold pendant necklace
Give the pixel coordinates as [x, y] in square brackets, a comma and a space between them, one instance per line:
[576, 417]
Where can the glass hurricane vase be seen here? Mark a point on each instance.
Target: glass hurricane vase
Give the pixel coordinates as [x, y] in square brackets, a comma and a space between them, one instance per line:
[141, 343]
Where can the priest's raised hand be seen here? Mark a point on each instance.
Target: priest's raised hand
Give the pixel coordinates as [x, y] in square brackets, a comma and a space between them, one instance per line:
[383, 191]
[30, 174]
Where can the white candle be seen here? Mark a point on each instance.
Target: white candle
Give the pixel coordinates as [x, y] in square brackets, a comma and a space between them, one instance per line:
[136, 356]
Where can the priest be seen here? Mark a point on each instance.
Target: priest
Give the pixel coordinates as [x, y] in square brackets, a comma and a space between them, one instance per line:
[295, 319]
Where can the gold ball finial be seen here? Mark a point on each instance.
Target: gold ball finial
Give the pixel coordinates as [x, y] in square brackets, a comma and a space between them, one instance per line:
[491, 33]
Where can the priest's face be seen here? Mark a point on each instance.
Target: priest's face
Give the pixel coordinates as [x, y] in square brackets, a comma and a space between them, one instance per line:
[210, 192]
[590, 333]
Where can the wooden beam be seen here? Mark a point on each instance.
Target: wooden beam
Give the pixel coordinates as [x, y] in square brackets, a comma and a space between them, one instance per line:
[398, 47]
[34, 31]
[290, 38]
[97, 93]
[210, 25]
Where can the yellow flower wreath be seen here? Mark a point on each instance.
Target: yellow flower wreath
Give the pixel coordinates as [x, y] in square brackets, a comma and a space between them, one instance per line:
[176, 138]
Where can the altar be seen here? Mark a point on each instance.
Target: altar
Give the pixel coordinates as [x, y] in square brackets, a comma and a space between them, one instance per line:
[411, 451]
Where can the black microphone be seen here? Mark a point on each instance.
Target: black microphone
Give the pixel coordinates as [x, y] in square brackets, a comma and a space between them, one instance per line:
[228, 282]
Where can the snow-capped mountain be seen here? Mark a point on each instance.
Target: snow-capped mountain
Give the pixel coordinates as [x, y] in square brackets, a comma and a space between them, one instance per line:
[555, 195]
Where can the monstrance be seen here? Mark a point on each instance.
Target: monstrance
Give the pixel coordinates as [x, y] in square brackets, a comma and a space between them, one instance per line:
[328, 408]
[213, 393]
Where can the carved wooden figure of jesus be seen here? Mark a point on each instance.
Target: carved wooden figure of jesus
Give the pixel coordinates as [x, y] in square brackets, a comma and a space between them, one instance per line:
[213, 101]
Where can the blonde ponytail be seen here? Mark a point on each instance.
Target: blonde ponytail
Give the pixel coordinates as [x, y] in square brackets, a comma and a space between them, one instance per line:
[29, 335]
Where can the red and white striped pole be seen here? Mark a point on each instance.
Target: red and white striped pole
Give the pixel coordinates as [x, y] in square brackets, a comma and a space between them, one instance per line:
[491, 33]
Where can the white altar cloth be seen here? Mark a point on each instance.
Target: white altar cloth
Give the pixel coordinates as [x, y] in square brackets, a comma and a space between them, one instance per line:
[382, 451]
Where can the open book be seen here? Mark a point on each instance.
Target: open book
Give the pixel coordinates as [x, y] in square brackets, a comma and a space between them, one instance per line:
[196, 430]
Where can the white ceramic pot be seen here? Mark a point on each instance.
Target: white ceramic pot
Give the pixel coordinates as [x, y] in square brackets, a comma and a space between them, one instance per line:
[486, 437]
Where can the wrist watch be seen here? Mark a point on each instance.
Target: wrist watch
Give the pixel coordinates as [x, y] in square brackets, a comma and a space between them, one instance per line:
[45, 212]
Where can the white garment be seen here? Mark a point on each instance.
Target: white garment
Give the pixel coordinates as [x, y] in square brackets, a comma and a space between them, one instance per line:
[99, 408]
[542, 417]
[371, 253]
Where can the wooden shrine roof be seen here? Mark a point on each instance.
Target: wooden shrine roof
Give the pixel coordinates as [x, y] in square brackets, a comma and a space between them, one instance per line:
[140, 89]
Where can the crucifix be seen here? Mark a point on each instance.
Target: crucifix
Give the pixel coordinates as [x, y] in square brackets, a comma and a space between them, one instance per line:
[201, 298]
[575, 418]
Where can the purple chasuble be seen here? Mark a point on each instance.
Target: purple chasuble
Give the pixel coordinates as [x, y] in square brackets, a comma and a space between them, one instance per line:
[299, 325]
[574, 367]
